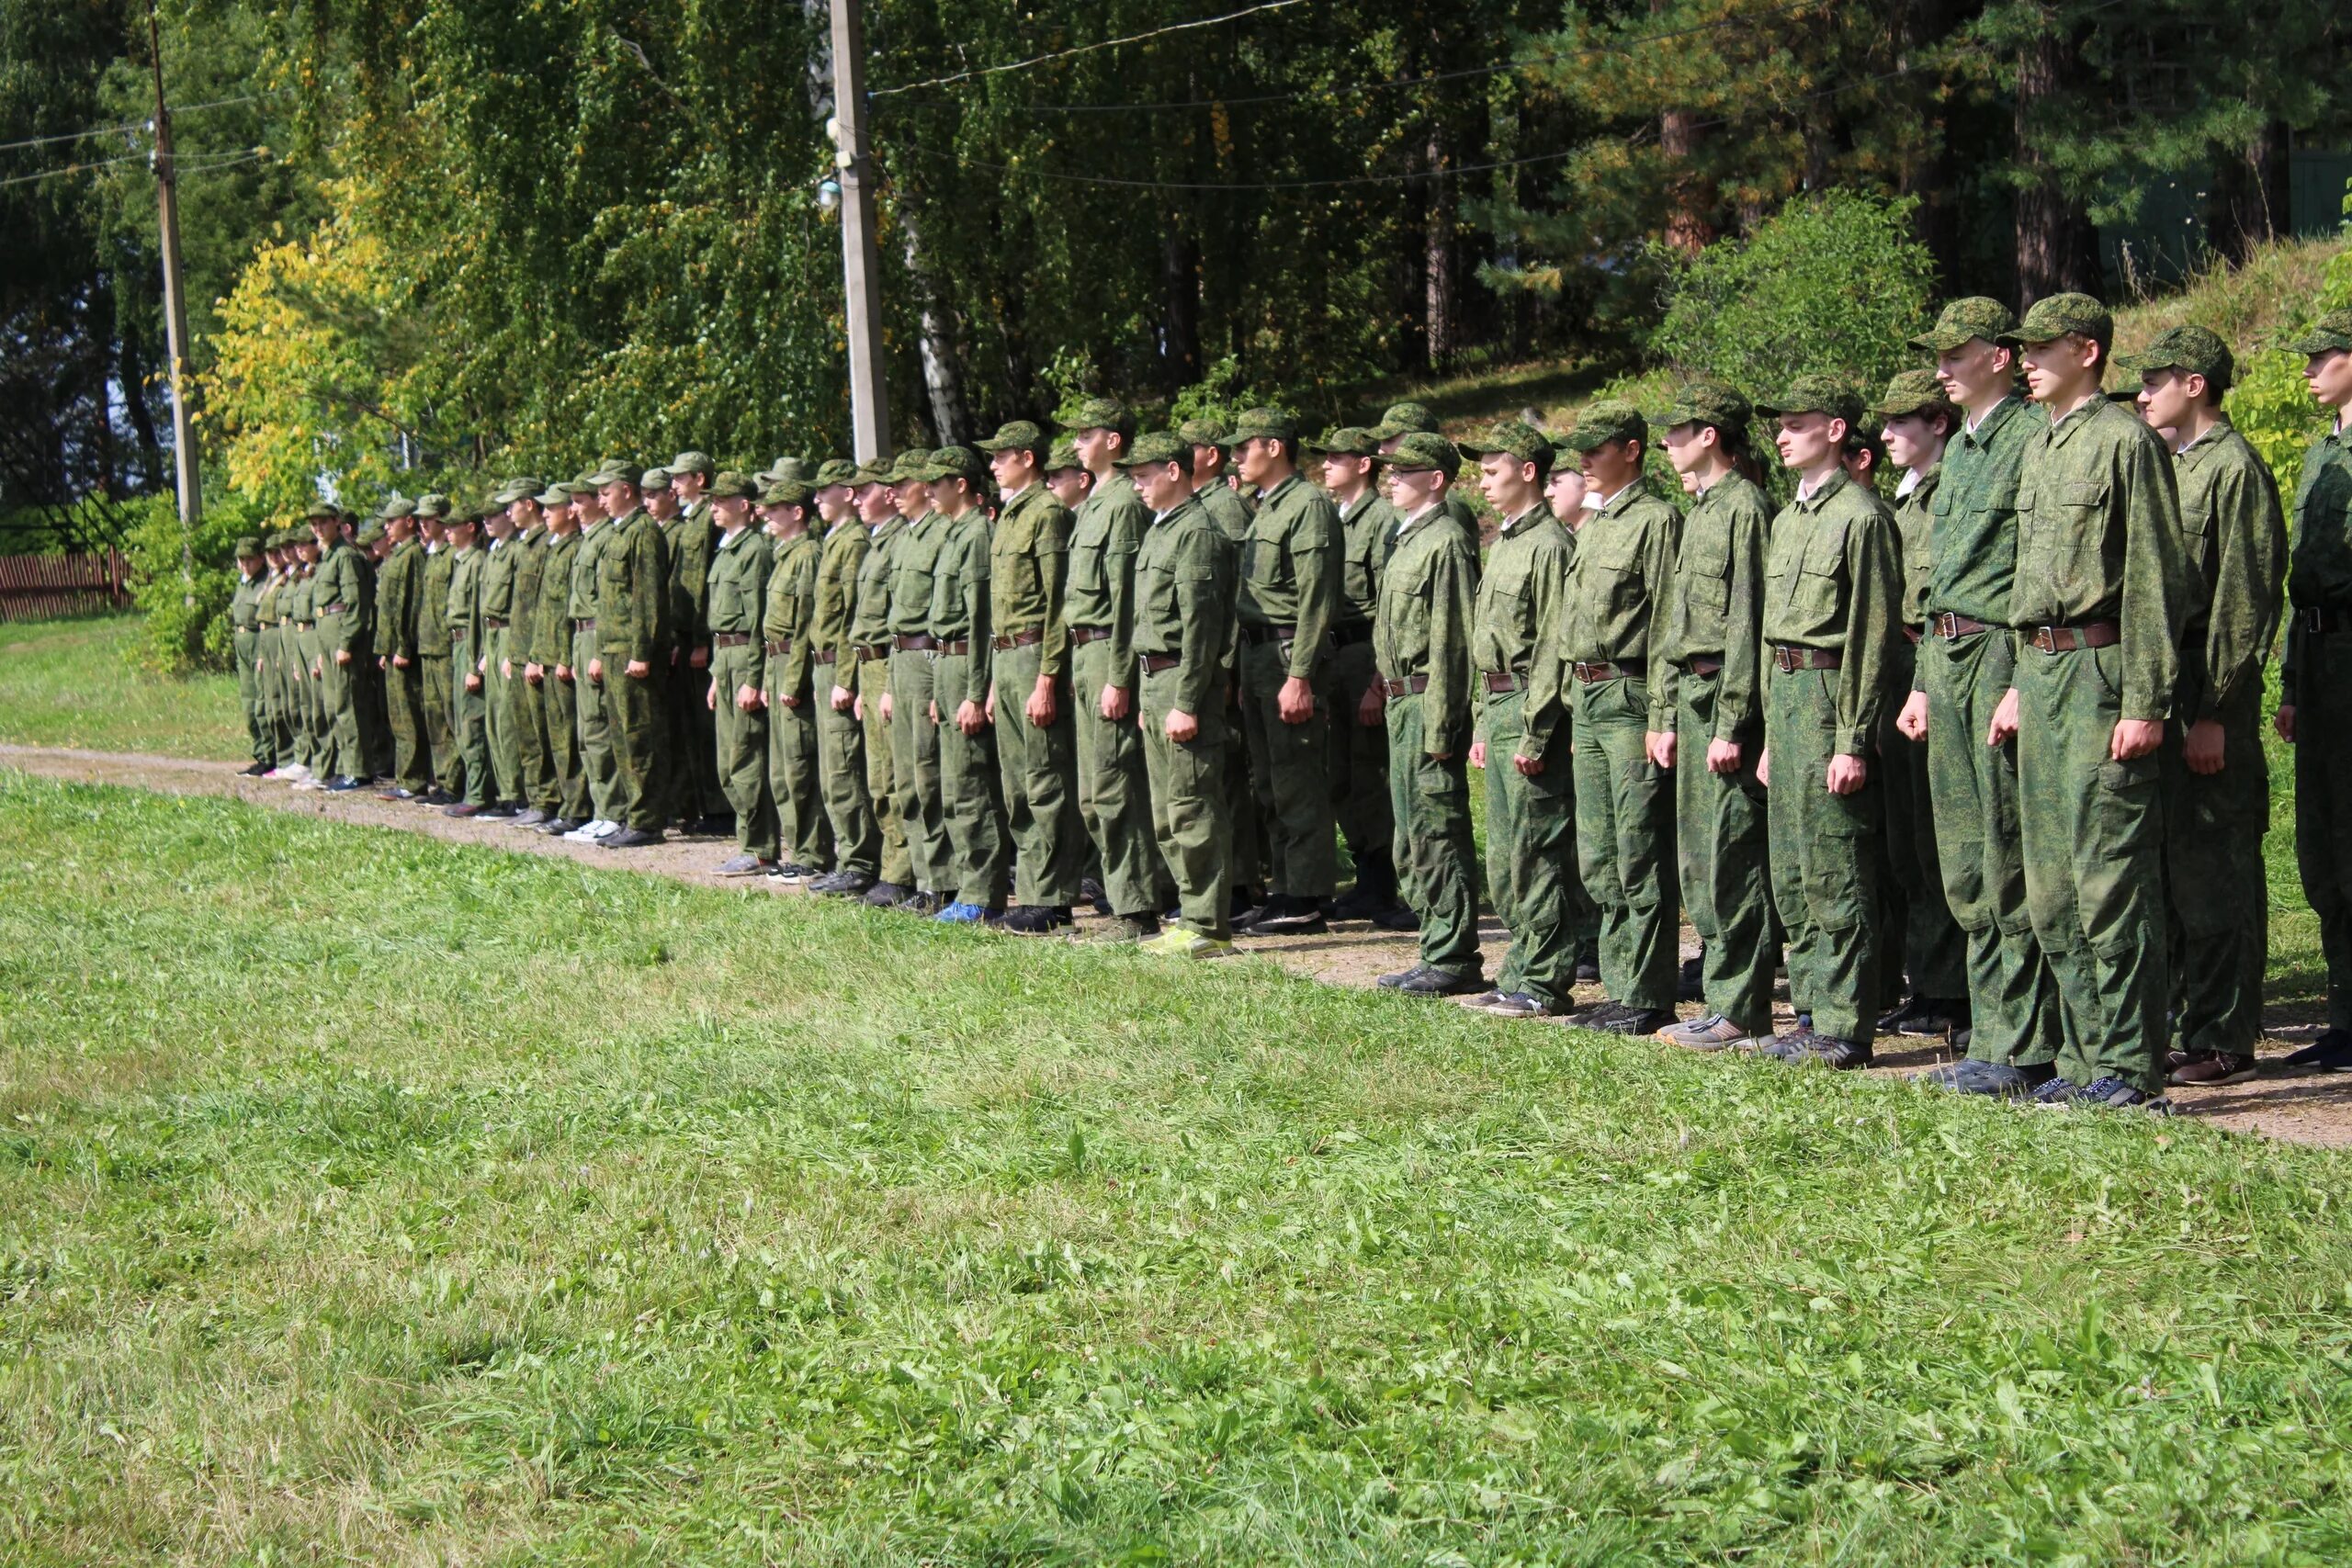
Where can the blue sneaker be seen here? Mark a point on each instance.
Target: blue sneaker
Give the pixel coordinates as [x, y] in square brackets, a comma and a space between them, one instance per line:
[961, 914]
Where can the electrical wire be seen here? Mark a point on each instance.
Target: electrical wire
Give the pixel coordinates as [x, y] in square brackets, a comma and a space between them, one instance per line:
[979, 71]
[135, 124]
[182, 164]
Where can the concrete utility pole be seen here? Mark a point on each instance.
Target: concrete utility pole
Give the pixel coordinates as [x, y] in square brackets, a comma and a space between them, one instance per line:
[869, 399]
[191, 487]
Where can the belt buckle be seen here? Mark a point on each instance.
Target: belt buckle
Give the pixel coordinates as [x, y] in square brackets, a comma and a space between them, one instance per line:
[2045, 640]
[2315, 621]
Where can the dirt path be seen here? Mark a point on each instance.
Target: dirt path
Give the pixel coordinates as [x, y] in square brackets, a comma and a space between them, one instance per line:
[2315, 1110]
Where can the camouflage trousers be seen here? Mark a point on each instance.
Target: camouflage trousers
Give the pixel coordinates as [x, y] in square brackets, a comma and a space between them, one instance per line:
[2218, 891]
[1186, 783]
[971, 809]
[469, 779]
[246, 645]
[1923, 940]
[1824, 857]
[2092, 834]
[1625, 842]
[1532, 874]
[591, 705]
[697, 787]
[801, 826]
[413, 767]
[841, 770]
[739, 742]
[2323, 803]
[1723, 835]
[638, 713]
[1114, 790]
[1040, 783]
[440, 729]
[566, 763]
[1436, 859]
[1361, 803]
[914, 766]
[1291, 765]
[873, 679]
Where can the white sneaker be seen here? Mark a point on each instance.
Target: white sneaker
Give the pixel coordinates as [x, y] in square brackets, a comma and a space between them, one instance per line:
[277, 774]
[297, 771]
[584, 833]
[308, 783]
[605, 829]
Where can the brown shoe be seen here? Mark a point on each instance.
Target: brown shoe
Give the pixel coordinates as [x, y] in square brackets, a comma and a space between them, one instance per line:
[2204, 1072]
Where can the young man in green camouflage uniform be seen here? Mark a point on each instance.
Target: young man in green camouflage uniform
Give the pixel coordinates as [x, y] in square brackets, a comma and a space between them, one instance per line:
[2101, 596]
[1833, 593]
[1522, 737]
[526, 689]
[342, 603]
[1350, 460]
[1399, 419]
[970, 776]
[699, 799]
[842, 765]
[634, 610]
[270, 655]
[1615, 639]
[245, 639]
[567, 801]
[2216, 780]
[432, 651]
[1714, 730]
[469, 777]
[1029, 693]
[1246, 863]
[1289, 598]
[497, 591]
[869, 637]
[914, 732]
[1421, 637]
[2315, 680]
[399, 585]
[797, 813]
[1183, 599]
[737, 696]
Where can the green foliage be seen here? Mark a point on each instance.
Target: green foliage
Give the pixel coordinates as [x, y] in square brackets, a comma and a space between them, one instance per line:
[185, 618]
[2270, 405]
[1833, 285]
[1219, 395]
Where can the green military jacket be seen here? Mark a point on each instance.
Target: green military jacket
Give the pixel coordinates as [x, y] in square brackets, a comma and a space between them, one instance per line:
[1421, 628]
[466, 570]
[1464, 515]
[1621, 590]
[2319, 574]
[551, 619]
[841, 561]
[1226, 509]
[959, 600]
[691, 539]
[433, 602]
[1521, 595]
[586, 558]
[399, 586]
[341, 583]
[914, 555]
[267, 610]
[2099, 539]
[1914, 519]
[1104, 539]
[1367, 532]
[1834, 580]
[1185, 602]
[530, 553]
[634, 606]
[1719, 606]
[298, 601]
[789, 611]
[1290, 568]
[245, 604]
[1028, 564]
[869, 620]
[735, 601]
[498, 559]
[1973, 542]
[2236, 537]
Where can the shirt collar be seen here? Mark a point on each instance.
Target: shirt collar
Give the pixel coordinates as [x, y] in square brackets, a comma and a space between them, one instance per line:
[1822, 490]
[1418, 518]
[1288, 480]
[1982, 430]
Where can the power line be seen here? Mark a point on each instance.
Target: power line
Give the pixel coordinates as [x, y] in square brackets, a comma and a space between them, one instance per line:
[135, 124]
[63, 171]
[1084, 48]
[192, 164]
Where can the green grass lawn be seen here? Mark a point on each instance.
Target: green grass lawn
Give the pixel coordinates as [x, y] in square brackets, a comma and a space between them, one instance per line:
[368, 1199]
[71, 682]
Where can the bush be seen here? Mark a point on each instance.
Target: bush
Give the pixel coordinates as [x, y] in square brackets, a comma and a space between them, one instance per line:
[2269, 404]
[1833, 285]
[186, 622]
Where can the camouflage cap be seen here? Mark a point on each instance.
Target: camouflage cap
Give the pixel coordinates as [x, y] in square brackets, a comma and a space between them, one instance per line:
[874, 473]
[914, 463]
[2192, 349]
[1815, 394]
[1966, 320]
[322, 512]
[554, 495]
[373, 533]
[432, 505]
[1103, 414]
[794, 491]
[1260, 425]
[1347, 441]
[1424, 451]
[576, 488]
[1063, 455]
[653, 479]
[959, 463]
[398, 506]
[464, 518]
[1708, 403]
[1510, 438]
[691, 462]
[248, 547]
[1916, 392]
[1404, 419]
[1156, 448]
[1204, 432]
[2061, 315]
[1612, 419]
[730, 486]
[522, 487]
[617, 471]
[1017, 435]
[2330, 332]
[835, 471]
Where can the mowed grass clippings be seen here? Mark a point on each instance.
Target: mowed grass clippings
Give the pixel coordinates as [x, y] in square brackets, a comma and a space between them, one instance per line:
[73, 683]
[364, 1198]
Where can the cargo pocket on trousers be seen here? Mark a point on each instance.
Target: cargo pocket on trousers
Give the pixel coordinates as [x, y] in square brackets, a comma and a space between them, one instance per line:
[1840, 828]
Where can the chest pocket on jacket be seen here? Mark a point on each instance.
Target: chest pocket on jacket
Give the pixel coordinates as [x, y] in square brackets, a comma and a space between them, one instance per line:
[2062, 538]
[1265, 560]
[1705, 569]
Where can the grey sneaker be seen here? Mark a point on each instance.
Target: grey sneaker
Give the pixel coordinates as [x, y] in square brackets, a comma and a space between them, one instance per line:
[1481, 1001]
[743, 866]
[1714, 1032]
[1839, 1055]
[1517, 1004]
[1995, 1080]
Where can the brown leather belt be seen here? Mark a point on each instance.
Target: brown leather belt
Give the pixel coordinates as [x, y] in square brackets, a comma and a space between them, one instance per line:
[1912, 634]
[1252, 635]
[1410, 686]
[820, 658]
[1082, 635]
[779, 649]
[1153, 663]
[331, 610]
[1505, 681]
[730, 640]
[2067, 639]
[584, 622]
[1703, 664]
[1788, 661]
[868, 652]
[1952, 627]
[2318, 621]
[304, 626]
[917, 644]
[1347, 632]
[1601, 669]
[956, 650]
[489, 626]
[1018, 639]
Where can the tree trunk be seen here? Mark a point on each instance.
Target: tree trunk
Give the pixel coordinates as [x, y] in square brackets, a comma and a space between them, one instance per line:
[2250, 193]
[2057, 247]
[943, 381]
[130, 373]
[1180, 327]
[1437, 253]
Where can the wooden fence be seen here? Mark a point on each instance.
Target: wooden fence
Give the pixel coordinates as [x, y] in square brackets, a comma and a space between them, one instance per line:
[34, 587]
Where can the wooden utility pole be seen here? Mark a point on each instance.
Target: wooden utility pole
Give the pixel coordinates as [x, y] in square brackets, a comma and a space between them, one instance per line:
[869, 398]
[191, 489]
